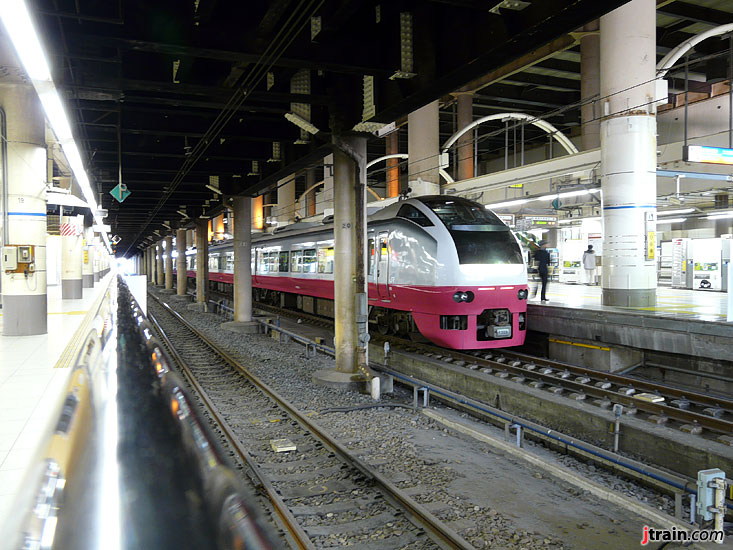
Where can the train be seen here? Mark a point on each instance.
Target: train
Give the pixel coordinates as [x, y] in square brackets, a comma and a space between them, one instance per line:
[441, 268]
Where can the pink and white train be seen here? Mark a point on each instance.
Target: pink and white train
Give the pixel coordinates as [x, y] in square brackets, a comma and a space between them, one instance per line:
[442, 266]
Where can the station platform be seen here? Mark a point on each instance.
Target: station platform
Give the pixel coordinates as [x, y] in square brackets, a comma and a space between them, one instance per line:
[34, 370]
[579, 329]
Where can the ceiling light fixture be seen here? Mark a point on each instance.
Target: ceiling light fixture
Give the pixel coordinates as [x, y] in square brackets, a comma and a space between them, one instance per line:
[670, 220]
[19, 27]
[507, 204]
[720, 216]
[675, 212]
[300, 122]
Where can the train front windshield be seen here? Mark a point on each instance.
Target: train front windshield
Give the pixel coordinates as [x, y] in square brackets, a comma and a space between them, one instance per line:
[479, 235]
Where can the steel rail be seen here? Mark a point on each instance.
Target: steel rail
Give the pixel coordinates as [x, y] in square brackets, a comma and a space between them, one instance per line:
[690, 417]
[299, 536]
[720, 425]
[441, 533]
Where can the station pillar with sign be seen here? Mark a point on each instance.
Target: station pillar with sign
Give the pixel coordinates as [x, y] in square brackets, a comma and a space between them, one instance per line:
[629, 154]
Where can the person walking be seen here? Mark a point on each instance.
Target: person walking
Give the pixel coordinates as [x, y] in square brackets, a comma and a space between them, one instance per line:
[589, 263]
[542, 257]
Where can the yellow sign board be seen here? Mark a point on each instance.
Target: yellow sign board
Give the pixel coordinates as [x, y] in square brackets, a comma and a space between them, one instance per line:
[651, 244]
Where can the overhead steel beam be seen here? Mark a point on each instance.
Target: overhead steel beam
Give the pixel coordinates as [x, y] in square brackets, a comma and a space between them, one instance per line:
[518, 65]
[698, 14]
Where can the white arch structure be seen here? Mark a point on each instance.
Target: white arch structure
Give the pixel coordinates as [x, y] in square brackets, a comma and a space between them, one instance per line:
[404, 156]
[561, 138]
[675, 54]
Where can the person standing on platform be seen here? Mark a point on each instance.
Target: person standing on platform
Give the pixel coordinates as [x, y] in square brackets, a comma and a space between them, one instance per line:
[589, 263]
[542, 257]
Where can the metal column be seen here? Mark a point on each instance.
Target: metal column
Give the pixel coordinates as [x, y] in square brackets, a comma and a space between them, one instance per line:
[202, 262]
[169, 262]
[159, 274]
[181, 274]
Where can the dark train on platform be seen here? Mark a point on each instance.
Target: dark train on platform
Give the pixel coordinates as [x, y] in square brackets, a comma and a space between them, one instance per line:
[444, 267]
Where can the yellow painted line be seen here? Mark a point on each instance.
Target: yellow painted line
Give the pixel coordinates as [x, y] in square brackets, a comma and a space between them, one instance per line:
[72, 348]
[578, 344]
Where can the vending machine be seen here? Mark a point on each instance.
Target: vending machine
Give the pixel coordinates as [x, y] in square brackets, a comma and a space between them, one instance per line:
[711, 258]
[682, 272]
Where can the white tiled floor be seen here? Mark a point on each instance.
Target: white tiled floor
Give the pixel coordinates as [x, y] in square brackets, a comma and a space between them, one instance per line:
[671, 302]
[30, 386]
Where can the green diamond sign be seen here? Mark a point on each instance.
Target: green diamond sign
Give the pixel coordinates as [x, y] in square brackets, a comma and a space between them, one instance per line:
[120, 193]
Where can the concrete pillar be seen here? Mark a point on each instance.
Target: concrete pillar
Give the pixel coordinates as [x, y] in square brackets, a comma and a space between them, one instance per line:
[590, 86]
[393, 165]
[24, 298]
[310, 196]
[629, 154]
[464, 145]
[424, 150]
[181, 274]
[169, 263]
[325, 197]
[87, 260]
[349, 281]
[202, 265]
[71, 257]
[159, 274]
[286, 200]
[242, 208]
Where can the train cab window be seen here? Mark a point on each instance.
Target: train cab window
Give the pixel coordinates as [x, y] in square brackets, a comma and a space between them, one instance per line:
[296, 261]
[409, 212]
[310, 261]
[371, 256]
[325, 260]
[284, 262]
[457, 211]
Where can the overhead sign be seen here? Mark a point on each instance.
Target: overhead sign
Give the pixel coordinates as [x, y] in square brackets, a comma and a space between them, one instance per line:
[710, 155]
[104, 228]
[120, 193]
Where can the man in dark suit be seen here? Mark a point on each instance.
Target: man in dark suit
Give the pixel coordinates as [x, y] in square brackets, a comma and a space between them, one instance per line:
[542, 256]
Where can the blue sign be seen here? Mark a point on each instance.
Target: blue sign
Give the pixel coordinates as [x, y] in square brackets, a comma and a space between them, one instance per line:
[120, 193]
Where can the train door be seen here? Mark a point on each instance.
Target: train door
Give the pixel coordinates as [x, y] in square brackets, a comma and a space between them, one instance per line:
[383, 266]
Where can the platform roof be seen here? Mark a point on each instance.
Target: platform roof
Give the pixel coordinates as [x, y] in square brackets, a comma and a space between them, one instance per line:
[146, 81]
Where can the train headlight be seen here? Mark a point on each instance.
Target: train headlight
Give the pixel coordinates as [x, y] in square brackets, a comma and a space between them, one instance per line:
[522, 294]
[463, 296]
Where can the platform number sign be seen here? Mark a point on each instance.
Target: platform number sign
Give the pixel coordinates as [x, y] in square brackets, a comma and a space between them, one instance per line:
[120, 192]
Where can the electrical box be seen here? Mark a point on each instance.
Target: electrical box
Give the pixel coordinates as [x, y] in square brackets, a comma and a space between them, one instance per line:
[19, 259]
[705, 494]
[10, 258]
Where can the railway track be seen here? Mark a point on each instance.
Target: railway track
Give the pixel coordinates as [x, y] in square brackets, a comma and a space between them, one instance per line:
[323, 495]
[687, 410]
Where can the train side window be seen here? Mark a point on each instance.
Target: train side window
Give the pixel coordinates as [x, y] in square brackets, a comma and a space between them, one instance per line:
[309, 260]
[230, 261]
[261, 261]
[284, 262]
[325, 260]
[296, 261]
[411, 213]
[371, 256]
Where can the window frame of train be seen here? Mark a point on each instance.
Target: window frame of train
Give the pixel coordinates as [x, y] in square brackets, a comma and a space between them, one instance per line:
[325, 264]
[410, 213]
[371, 257]
[296, 261]
[310, 258]
[283, 261]
[229, 261]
